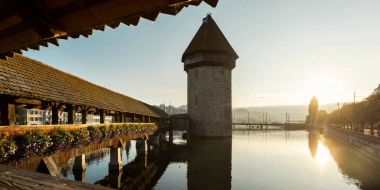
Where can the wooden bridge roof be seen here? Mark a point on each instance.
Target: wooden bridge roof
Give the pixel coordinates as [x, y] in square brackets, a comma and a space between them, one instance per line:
[23, 77]
[28, 24]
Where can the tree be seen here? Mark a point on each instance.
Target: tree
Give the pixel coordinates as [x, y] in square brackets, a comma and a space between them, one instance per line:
[313, 109]
[321, 117]
[308, 119]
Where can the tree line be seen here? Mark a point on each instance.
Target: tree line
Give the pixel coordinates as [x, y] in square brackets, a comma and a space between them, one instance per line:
[353, 116]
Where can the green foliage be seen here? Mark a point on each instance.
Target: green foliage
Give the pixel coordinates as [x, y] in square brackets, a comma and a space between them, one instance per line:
[37, 143]
[322, 117]
[81, 137]
[33, 143]
[95, 134]
[7, 148]
[61, 140]
[313, 109]
[308, 120]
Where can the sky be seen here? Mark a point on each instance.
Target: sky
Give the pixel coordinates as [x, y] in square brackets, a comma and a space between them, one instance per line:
[289, 51]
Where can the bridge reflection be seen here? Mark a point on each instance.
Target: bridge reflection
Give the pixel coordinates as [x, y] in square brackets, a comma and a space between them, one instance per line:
[206, 159]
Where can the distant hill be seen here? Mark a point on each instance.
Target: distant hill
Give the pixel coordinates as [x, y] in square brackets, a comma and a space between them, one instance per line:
[276, 113]
[271, 113]
[173, 110]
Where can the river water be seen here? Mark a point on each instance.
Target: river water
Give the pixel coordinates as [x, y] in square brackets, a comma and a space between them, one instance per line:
[255, 159]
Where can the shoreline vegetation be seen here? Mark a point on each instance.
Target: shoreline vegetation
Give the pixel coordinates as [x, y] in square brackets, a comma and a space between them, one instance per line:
[41, 143]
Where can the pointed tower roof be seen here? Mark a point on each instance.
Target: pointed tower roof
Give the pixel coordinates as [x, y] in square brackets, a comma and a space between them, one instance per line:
[210, 38]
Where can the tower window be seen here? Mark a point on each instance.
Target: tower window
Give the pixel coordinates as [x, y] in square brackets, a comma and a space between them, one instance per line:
[196, 73]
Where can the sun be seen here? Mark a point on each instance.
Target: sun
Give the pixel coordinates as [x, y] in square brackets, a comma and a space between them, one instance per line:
[325, 87]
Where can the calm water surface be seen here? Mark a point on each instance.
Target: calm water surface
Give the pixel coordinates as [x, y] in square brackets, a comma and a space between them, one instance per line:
[256, 159]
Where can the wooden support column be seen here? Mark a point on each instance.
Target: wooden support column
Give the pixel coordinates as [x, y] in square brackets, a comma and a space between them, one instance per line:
[102, 115]
[54, 115]
[80, 163]
[124, 117]
[121, 117]
[142, 118]
[84, 116]
[148, 117]
[115, 163]
[70, 113]
[116, 116]
[55, 106]
[4, 120]
[133, 118]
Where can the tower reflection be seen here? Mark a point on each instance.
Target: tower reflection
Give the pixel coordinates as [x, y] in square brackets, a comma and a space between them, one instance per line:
[209, 164]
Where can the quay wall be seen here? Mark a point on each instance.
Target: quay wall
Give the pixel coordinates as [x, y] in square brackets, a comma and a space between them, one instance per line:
[366, 145]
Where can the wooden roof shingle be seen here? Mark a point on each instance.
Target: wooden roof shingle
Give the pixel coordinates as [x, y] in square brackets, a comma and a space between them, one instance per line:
[24, 77]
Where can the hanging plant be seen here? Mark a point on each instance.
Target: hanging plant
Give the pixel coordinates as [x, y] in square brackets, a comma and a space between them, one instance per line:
[95, 134]
[61, 140]
[81, 137]
[33, 143]
[7, 148]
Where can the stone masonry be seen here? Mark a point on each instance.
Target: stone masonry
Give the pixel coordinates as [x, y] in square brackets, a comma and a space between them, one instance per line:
[209, 60]
[209, 101]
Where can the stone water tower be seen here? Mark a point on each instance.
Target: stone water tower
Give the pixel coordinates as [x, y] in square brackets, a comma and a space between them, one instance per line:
[208, 61]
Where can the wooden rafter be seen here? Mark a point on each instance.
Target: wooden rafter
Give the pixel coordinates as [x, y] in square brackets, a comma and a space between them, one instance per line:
[30, 23]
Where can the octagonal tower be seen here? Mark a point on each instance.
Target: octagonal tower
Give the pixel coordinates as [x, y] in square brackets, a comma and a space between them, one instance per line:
[208, 61]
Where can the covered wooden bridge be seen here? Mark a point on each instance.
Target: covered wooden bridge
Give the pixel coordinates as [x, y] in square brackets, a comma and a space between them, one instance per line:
[28, 83]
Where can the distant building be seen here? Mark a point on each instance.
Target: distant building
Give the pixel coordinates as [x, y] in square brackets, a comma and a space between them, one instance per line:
[376, 91]
[92, 119]
[26, 116]
[44, 117]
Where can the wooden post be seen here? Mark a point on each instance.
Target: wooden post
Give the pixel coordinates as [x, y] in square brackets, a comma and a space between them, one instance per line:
[121, 117]
[115, 163]
[84, 115]
[116, 116]
[148, 119]
[54, 115]
[142, 118]
[70, 114]
[4, 121]
[102, 115]
[80, 163]
[133, 118]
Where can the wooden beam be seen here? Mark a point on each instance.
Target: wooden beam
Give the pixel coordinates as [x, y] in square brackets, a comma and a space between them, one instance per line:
[4, 111]
[33, 14]
[27, 101]
[52, 4]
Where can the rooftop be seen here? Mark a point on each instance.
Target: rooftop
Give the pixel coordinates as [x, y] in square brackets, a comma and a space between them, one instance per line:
[30, 24]
[23, 77]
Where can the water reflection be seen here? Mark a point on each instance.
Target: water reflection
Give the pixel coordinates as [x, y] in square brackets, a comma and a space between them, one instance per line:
[257, 159]
[209, 164]
[357, 169]
[313, 142]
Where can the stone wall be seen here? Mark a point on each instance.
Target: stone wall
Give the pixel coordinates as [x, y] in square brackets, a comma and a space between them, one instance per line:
[209, 101]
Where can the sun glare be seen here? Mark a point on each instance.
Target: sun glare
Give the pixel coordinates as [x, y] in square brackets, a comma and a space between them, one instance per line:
[323, 154]
[326, 88]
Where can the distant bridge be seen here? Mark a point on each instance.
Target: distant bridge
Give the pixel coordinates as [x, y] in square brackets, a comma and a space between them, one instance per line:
[284, 125]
